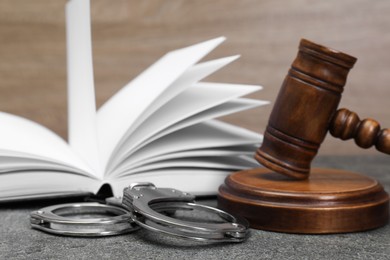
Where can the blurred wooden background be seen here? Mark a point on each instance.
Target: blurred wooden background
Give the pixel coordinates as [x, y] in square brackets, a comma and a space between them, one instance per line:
[129, 35]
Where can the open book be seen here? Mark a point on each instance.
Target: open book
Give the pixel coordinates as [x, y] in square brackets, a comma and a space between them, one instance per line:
[160, 128]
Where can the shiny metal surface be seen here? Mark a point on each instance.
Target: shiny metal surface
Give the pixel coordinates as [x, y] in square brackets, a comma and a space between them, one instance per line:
[79, 219]
[143, 205]
[150, 207]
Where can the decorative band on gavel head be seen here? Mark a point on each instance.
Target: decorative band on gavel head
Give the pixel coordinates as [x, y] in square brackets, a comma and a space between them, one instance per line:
[307, 101]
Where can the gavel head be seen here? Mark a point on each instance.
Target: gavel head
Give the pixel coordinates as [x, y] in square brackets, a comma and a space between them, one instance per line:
[304, 108]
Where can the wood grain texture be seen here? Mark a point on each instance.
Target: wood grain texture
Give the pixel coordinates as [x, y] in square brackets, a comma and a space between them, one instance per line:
[129, 35]
[366, 133]
[304, 108]
[331, 201]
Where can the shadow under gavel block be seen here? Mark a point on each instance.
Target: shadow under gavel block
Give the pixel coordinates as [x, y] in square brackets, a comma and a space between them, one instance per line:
[289, 196]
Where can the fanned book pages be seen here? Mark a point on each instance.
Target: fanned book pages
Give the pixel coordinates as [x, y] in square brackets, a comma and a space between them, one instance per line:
[160, 128]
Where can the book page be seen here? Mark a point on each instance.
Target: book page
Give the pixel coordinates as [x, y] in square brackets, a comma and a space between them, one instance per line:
[230, 107]
[43, 184]
[20, 137]
[154, 131]
[121, 111]
[11, 161]
[194, 100]
[200, 182]
[234, 151]
[233, 163]
[210, 134]
[189, 78]
[81, 90]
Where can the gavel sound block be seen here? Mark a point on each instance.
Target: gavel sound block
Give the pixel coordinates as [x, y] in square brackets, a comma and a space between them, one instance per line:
[288, 196]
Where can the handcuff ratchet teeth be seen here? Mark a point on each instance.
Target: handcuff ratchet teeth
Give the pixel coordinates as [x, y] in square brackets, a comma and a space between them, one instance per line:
[143, 205]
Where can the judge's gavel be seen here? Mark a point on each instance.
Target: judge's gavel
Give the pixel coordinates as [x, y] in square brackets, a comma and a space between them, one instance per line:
[305, 110]
[331, 200]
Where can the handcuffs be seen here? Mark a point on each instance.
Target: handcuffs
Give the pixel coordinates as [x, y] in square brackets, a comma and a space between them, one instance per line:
[143, 205]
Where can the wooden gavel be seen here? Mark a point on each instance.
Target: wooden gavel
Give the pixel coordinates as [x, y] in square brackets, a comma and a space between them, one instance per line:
[331, 200]
[305, 110]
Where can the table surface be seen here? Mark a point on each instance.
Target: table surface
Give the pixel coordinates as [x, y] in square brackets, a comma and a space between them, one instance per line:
[19, 241]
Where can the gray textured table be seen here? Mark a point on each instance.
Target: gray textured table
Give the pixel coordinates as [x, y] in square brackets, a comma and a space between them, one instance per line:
[18, 241]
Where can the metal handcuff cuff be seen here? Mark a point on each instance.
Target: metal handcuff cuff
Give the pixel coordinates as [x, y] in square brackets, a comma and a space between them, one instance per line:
[143, 205]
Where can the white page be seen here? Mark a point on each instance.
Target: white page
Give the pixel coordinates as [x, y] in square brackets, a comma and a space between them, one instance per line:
[221, 110]
[10, 159]
[247, 150]
[186, 80]
[190, 77]
[19, 136]
[24, 163]
[210, 134]
[151, 135]
[195, 99]
[121, 111]
[194, 181]
[216, 162]
[81, 90]
[39, 184]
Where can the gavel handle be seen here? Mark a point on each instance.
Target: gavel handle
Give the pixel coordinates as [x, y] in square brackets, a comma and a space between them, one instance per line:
[366, 133]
